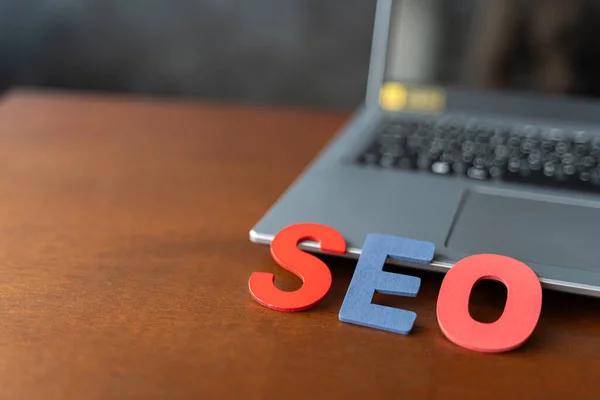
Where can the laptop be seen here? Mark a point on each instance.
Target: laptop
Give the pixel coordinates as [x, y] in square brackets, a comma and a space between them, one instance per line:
[480, 132]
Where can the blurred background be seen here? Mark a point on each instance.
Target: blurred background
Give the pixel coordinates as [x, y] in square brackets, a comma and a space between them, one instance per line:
[292, 52]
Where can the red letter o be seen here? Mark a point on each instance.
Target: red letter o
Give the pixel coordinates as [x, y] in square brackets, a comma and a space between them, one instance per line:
[521, 313]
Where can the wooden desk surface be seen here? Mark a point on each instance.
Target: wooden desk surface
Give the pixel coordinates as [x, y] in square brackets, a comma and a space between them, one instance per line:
[124, 260]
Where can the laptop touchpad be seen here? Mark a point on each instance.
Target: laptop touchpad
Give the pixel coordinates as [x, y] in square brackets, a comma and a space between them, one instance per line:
[536, 231]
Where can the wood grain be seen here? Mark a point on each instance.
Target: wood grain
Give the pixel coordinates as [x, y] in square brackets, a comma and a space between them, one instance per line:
[124, 260]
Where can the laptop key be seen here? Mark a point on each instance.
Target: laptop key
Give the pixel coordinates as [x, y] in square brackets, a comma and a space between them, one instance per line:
[477, 173]
[406, 163]
[459, 168]
[441, 168]
[387, 161]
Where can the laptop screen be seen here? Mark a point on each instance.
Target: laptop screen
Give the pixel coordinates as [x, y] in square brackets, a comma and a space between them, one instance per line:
[547, 46]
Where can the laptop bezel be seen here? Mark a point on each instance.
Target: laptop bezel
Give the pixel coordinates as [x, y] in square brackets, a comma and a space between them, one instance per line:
[379, 52]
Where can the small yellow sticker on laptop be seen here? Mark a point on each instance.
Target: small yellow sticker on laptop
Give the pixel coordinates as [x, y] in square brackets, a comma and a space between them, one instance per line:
[396, 97]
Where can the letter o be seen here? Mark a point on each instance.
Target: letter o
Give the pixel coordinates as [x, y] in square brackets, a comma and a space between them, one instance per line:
[521, 312]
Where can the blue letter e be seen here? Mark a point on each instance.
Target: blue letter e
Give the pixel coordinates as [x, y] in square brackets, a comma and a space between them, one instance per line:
[369, 278]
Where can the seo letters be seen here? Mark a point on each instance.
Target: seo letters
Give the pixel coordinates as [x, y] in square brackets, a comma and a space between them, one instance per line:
[511, 330]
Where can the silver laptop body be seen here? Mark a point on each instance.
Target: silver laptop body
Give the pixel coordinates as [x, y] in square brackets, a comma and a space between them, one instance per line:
[450, 148]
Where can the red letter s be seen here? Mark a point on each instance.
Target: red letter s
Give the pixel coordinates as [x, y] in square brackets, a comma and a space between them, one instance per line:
[314, 273]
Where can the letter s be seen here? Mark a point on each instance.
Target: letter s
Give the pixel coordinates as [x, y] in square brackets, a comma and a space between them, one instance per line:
[314, 273]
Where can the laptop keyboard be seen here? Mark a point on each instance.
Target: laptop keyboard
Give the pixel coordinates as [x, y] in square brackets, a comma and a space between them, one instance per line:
[485, 152]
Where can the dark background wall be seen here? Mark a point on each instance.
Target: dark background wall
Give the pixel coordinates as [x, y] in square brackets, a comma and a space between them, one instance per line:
[305, 52]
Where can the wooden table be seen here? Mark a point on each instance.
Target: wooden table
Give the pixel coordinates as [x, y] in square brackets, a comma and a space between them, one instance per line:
[125, 257]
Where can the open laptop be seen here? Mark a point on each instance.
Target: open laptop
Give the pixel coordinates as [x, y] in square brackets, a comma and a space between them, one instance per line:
[480, 133]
